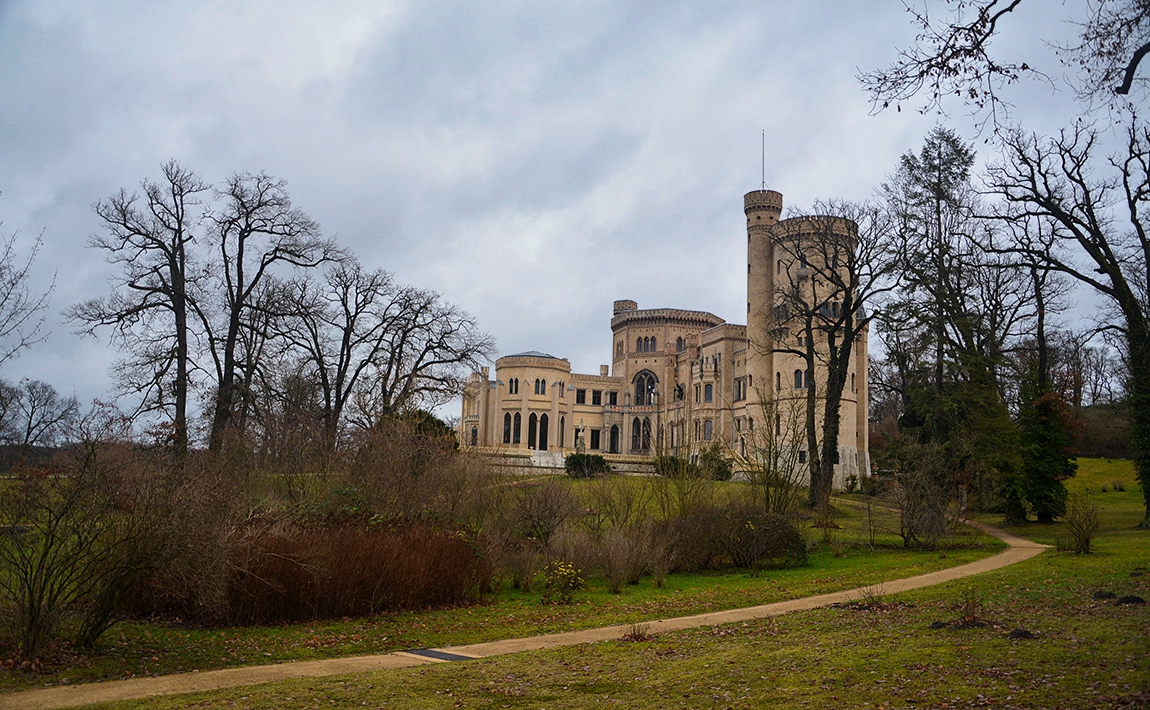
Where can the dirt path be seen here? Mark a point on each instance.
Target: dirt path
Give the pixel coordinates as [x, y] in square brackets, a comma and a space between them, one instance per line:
[75, 695]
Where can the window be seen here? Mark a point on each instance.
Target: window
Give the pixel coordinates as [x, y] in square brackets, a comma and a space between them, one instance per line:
[696, 394]
[474, 436]
[614, 439]
[595, 439]
[802, 456]
[679, 345]
[597, 397]
[619, 349]
[613, 398]
[779, 266]
[708, 393]
[541, 386]
[708, 430]
[798, 379]
[517, 428]
[778, 381]
[654, 347]
[778, 425]
[636, 434]
[532, 430]
[645, 388]
[507, 427]
[513, 386]
[853, 383]
[544, 430]
[562, 430]
[580, 396]
[646, 433]
[639, 344]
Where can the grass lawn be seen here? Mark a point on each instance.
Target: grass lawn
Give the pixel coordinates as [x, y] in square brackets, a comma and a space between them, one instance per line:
[839, 561]
[1083, 653]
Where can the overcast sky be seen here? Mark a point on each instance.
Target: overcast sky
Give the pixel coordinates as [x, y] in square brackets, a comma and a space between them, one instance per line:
[531, 161]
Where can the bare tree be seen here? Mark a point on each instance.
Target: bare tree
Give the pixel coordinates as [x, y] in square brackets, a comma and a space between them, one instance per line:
[152, 298]
[1063, 215]
[21, 310]
[952, 57]
[340, 330]
[257, 230]
[34, 413]
[428, 350]
[838, 266]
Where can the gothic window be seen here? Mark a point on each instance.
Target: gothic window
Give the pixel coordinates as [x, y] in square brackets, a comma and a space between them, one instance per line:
[513, 386]
[798, 379]
[679, 347]
[646, 434]
[532, 430]
[639, 344]
[708, 393]
[708, 430]
[654, 347]
[614, 439]
[778, 381]
[544, 429]
[636, 434]
[515, 430]
[645, 388]
[562, 430]
[507, 427]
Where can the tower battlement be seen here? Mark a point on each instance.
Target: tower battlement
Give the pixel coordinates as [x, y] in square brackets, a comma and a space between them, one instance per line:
[757, 200]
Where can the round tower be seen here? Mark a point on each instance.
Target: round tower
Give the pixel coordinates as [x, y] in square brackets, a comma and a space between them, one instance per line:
[762, 208]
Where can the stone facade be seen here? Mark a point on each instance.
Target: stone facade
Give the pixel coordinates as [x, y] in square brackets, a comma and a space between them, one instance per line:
[679, 381]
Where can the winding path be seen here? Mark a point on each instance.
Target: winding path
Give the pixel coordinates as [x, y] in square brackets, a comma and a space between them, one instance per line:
[83, 694]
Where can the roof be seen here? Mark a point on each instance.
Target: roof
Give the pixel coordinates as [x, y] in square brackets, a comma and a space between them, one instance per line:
[534, 353]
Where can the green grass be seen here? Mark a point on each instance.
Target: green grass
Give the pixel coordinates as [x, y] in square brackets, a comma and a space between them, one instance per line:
[1085, 654]
[142, 649]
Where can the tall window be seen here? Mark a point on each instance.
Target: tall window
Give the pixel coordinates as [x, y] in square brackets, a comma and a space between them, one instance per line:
[544, 430]
[708, 430]
[474, 436]
[614, 449]
[595, 439]
[679, 347]
[778, 380]
[639, 344]
[778, 425]
[580, 396]
[646, 434]
[654, 347]
[708, 393]
[513, 386]
[613, 398]
[532, 430]
[798, 379]
[507, 427]
[562, 430]
[597, 397]
[645, 388]
[636, 434]
[515, 430]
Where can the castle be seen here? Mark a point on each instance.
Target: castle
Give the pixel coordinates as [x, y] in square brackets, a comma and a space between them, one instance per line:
[682, 381]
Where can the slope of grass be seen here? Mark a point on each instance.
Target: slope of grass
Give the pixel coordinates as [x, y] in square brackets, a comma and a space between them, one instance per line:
[1083, 652]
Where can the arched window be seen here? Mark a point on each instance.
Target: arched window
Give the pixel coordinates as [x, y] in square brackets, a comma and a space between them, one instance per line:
[636, 434]
[645, 388]
[543, 386]
[646, 434]
[778, 381]
[474, 436]
[853, 382]
[679, 347]
[779, 266]
[532, 430]
[515, 431]
[562, 430]
[798, 379]
[543, 430]
[708, 430]
[507, 427]
[614, 438]
[639, 344]
[708, 393]
[654, 347]
[778, 425]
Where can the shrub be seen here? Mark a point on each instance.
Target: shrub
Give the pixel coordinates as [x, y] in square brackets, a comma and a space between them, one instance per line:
[1082, 520]
[562, 580]
[627, 553]
[579, 465]
[713, 465]
[754, 539]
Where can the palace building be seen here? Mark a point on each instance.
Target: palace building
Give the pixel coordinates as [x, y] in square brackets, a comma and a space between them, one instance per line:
[680, 381]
